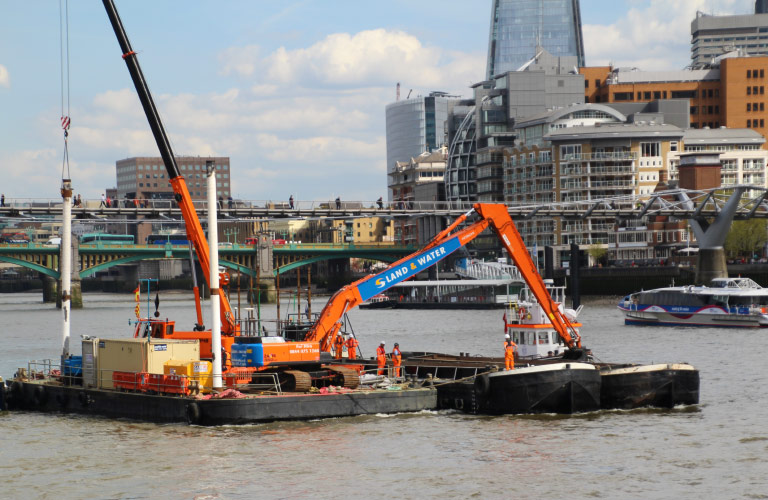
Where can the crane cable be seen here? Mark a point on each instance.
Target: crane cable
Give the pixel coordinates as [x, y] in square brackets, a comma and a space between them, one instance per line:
[64, 48]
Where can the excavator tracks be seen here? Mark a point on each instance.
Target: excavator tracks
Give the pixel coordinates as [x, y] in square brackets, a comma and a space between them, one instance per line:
[350, 377]
[295, 381]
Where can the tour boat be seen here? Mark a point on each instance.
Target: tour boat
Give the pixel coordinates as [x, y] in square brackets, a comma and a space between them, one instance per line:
[727, 302]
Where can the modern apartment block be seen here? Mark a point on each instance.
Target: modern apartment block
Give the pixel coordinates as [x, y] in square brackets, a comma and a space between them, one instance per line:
[742, 156]
[420, 179]
[146, 177]
[582, 153]
[415, 126]
[731, 93]
[713, 36]
[478, 129]
[518, 27]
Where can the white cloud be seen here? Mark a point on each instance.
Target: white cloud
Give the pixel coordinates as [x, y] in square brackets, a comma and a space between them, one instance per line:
[655, 35]
[5, 77]
[373, 57]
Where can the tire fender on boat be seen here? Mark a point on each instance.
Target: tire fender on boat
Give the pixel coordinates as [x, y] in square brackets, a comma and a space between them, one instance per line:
[39, 396]
[482, 385]
[16, 394]
[193, 413]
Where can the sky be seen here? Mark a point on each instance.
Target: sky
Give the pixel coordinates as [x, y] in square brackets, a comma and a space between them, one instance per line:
[292, 91]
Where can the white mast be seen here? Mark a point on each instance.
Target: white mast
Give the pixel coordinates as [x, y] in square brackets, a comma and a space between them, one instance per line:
[213, 242]
[65, 264]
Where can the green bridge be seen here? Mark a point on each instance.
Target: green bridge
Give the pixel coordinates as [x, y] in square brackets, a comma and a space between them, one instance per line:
[241, 258]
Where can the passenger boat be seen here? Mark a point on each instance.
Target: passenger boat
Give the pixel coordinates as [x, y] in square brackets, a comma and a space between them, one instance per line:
[727, 302]
[379, 301]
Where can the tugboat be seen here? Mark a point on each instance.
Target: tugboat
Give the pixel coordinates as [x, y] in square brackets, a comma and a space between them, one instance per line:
[623, 386]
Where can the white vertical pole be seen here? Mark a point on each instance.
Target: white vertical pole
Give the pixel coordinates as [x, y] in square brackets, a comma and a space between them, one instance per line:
[65, 265]
[213, 242]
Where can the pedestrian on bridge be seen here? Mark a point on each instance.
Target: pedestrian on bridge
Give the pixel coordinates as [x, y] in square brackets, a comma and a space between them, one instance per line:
[290, 202]
[380, 203]
[338, 203]
[103, 203]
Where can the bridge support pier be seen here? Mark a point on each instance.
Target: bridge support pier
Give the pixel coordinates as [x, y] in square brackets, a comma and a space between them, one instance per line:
[711, 265]
[76, 301]
[50, 290]
[264, 292]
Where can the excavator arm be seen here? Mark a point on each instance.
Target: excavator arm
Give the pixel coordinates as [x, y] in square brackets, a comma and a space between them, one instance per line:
[496, 216]
[194, 228]
[501, 223]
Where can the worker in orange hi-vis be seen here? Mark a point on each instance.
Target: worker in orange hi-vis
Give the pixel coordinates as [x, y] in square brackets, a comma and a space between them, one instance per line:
[381, 357]
[509, 353]
[352, 347]
[338, 344]
[397, 358]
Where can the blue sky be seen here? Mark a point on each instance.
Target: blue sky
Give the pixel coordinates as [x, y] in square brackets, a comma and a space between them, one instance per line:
[293, 91]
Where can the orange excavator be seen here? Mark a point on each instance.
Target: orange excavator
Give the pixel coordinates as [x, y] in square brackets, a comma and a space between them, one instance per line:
[301, 361]
[445, 243]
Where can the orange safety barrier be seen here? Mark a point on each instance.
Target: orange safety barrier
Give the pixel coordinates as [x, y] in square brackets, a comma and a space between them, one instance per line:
[130, 381]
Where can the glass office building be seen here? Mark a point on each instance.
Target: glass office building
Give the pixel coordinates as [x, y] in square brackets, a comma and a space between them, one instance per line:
[518, 26]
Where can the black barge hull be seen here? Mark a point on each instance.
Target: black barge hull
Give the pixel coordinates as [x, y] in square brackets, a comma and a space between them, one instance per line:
[564, 388]
[39, 396]
[660, 386]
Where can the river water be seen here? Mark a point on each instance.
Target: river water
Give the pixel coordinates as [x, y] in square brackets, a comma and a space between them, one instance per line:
[717, 449]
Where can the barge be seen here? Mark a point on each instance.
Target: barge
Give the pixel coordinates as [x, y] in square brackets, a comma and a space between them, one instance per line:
[51, 395]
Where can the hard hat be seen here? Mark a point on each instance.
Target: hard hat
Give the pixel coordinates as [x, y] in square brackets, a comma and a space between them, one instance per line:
[396, 343]
[382, 342]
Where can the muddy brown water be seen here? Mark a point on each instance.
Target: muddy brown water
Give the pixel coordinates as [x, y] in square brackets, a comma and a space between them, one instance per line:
[717, 449]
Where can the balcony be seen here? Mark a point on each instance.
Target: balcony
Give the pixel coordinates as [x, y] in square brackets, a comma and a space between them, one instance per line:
[614, 156]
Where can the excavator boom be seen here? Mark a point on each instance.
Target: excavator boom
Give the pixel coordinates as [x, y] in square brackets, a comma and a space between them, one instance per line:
[494, 215]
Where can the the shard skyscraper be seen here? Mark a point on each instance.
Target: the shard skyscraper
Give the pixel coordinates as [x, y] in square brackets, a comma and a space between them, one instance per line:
[519, 26]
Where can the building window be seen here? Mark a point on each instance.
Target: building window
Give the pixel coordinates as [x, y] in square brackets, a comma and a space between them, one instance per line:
[646, 95]
[673, 146]
[586, 83]
[694, 110]
[749, 123]
[657, 94]
[762, 123]
[649, 149]
[622, 96]
[709, 93]
[749, 90]
[717, 110]
[749, 106]
[639, 96]
[749, 73]
[762, 73]
[664, 94]
[597, 83]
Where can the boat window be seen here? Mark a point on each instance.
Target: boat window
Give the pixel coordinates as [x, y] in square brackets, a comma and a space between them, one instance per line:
[169, 329]
[543, 337]
[529, 338]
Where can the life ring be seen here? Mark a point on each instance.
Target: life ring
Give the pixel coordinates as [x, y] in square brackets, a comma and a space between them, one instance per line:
[522, 313]
[193, 413]
[482, 385]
